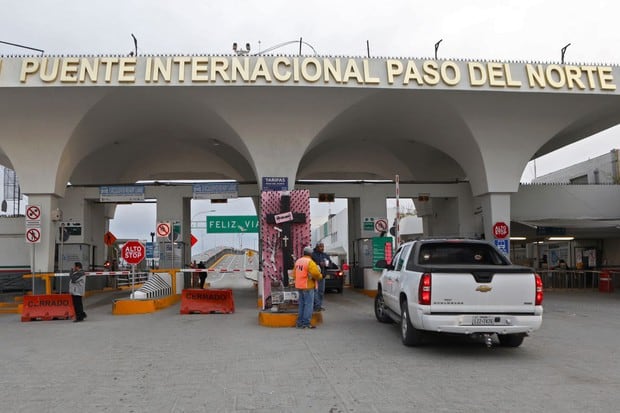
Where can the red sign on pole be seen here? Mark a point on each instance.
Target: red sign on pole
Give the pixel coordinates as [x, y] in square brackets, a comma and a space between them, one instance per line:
[109, 239]
[500, 230]
[133, 252]
[193, 240]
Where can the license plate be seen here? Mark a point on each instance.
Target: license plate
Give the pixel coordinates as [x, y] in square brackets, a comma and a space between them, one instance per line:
[483, 320]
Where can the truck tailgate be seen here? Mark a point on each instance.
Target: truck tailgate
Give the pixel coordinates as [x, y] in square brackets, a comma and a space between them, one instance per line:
[501, 292]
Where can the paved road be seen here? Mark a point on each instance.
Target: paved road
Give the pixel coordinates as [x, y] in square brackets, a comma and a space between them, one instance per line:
[167, 362]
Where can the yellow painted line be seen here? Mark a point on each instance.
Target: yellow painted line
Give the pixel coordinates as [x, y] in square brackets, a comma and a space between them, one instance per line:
[269, 319]
[218, 261]
[369, 293]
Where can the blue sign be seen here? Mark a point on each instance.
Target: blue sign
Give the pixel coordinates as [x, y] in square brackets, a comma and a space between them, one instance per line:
[150, 250]
[275, 183]
[503, 245]
[215, 190]
[121, 193]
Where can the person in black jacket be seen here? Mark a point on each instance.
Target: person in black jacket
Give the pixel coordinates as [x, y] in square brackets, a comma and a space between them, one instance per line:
[324, 262]
[202, 274]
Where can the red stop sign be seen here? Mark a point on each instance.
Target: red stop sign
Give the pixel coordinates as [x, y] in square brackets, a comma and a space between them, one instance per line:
[500, 230]
[133, 252]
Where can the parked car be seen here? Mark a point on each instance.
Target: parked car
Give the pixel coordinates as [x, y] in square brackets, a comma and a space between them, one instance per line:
[334, 279]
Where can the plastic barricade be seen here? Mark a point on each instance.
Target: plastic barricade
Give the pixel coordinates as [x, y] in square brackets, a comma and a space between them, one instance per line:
[605, 282]
[47, 307]
[199, 301]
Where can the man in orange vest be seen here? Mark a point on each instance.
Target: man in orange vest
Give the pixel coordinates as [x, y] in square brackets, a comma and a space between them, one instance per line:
[305, 273]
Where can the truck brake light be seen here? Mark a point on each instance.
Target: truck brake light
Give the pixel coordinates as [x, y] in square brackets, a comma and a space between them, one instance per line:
[424, 289]
[539, 290]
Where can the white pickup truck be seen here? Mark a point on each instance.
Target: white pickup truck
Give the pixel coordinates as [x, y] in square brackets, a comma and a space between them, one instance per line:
[460, 287]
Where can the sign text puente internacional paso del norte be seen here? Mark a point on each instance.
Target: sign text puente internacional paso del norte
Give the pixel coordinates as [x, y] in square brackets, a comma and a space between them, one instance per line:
[319, 71]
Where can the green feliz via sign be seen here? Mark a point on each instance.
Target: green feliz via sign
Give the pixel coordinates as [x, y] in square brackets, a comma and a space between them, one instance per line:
[234, 224]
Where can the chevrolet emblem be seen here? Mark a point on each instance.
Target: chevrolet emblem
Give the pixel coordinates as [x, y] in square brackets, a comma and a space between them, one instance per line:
[484, 288]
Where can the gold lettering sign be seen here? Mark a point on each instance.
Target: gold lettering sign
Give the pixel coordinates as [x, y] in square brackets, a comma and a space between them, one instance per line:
[398, 73]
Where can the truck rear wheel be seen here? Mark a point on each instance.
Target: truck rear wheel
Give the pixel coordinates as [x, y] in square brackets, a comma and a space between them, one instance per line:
[510, 340]
[410, 335]
[380, 310]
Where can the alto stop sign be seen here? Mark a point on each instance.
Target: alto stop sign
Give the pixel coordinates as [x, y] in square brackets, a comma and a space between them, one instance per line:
[133, 252]
[500, 230]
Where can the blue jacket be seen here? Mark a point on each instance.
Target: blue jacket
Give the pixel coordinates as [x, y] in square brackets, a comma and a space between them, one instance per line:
[320, 258]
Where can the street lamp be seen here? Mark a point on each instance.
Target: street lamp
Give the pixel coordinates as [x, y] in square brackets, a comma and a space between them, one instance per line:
[563, 51]
[195, 225]
[437, 47]
[153, 247]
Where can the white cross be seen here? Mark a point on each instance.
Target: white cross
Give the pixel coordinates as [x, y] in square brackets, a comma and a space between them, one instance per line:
[285, 239]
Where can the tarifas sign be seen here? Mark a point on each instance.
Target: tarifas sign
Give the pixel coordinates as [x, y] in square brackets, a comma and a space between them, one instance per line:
[321, 71]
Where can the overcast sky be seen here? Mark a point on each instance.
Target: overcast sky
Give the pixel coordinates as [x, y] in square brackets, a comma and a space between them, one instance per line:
[526, 30]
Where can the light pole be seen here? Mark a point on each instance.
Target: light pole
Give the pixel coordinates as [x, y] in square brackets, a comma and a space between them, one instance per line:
[195, 224]
[153, 247]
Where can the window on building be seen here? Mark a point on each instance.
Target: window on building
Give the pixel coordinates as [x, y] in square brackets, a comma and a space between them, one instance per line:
[579, 180]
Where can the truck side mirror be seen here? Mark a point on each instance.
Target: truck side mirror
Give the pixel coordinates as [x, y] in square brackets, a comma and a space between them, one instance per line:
[384, 264]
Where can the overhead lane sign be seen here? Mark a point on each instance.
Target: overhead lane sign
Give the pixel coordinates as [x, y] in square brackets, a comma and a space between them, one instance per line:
[215, 190]
[121, 193]
[275, 183]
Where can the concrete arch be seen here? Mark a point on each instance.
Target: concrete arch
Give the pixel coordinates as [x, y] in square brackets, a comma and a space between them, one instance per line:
[603, 114]
[392, 132]
[4, 160]
[149, 134]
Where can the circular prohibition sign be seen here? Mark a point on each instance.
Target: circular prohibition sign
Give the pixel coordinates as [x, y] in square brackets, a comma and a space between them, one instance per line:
[381, 225]
[33, 235]
[33, 212]
[163, 229]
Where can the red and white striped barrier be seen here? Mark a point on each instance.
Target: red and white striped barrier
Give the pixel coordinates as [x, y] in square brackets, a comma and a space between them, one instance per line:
[64, 274]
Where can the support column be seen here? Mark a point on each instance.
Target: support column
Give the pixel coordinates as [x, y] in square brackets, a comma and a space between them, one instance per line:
[174, 208]
[372, 205]
[495, 209]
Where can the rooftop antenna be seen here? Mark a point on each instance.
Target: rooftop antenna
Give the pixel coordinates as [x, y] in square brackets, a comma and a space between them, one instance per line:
[564, 52]
[368, 48]
[437, 47]
[135, 46]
